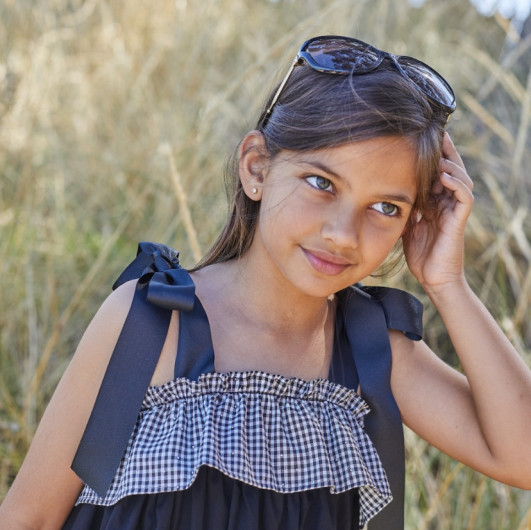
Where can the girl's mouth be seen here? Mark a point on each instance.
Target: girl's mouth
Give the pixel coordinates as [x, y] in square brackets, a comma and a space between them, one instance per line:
[326, 263]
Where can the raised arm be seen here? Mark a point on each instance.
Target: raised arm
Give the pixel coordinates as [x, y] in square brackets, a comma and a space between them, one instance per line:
[46, 488]
[484, 417]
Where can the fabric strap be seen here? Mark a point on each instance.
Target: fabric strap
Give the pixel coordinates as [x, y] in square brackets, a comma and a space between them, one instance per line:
[163, 286]
[116, 408]
[368, 311]
[196, 352]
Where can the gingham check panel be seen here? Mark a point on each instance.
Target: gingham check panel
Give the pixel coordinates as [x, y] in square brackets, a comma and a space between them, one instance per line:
[286, 435]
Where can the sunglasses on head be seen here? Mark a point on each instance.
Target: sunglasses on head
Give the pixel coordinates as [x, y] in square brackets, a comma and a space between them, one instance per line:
[343, 55]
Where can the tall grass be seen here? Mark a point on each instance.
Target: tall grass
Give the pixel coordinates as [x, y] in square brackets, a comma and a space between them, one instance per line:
[115, 122]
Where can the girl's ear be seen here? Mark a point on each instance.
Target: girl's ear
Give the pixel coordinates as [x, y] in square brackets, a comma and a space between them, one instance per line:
[252, 164]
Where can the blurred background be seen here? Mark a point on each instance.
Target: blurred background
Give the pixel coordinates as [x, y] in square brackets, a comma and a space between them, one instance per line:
[116, 120]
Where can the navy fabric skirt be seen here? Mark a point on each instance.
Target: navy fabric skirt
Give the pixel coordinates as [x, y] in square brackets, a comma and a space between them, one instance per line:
[217, 502]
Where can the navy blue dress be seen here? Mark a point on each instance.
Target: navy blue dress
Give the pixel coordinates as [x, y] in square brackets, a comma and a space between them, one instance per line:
[243, 450]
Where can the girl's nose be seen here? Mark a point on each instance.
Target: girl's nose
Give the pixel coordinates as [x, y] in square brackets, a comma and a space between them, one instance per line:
[342, 228]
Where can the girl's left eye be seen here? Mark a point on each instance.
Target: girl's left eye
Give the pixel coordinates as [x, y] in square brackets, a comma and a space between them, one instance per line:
[387, 208]
[321, 183]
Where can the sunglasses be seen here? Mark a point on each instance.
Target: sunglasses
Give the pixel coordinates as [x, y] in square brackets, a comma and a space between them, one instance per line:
[344, 55]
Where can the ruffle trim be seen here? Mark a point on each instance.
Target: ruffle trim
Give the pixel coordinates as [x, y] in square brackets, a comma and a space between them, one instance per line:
[260, 383]
[268, 431]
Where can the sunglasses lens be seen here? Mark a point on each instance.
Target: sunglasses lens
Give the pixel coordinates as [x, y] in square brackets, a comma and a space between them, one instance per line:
[428, 80]
[343, 55]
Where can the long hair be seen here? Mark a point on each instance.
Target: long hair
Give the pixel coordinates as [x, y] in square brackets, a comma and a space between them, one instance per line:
[318, 110]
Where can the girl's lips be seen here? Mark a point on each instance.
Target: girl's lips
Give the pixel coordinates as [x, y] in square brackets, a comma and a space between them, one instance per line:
[326, 263]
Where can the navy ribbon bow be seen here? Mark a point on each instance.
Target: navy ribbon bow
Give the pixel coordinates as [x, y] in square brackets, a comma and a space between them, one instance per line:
[162, 286]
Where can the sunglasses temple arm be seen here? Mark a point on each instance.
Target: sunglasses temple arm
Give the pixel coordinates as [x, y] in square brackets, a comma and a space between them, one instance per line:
[279, 90]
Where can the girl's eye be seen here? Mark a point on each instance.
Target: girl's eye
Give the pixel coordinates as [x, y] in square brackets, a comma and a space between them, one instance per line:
[321, 183]
[387, 208]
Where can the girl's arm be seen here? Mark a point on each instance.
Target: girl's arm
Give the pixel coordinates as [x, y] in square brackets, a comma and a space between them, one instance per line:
[45, 489]
[482, 418]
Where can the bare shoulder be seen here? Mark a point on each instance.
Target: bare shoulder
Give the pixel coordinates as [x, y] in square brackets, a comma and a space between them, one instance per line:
[46, 488]
[435, 401]
[401, 346]
[416, 369]
[100, 337]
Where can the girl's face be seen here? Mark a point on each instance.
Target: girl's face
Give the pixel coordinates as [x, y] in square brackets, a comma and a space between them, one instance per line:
[329, 218]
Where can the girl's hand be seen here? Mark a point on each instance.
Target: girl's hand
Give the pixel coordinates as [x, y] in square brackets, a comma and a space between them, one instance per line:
[434, 245]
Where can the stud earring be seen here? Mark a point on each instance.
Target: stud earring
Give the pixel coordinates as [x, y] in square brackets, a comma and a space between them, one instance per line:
[254, 190]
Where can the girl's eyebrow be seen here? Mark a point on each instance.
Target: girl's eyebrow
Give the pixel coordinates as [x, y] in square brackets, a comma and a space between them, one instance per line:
[323, 167]
[396, 197]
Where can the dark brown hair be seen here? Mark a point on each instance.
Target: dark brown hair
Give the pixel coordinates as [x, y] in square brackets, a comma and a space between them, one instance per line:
[318, 111]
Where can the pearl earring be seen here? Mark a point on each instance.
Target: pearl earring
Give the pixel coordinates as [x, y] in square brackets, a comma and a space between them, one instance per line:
[254, 190]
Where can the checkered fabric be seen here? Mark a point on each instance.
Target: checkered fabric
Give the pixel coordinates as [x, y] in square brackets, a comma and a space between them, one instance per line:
[287, 435]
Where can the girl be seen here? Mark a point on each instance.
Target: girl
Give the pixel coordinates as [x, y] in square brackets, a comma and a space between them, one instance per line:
[294, 422]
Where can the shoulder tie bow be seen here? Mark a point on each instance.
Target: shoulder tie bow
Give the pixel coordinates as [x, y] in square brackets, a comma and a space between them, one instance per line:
[162, 286]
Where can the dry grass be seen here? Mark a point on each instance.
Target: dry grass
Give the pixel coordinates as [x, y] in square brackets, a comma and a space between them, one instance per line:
[115, 122]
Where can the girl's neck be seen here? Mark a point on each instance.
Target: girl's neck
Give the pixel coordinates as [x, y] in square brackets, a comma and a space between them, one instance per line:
[256, 325]
[262, 298]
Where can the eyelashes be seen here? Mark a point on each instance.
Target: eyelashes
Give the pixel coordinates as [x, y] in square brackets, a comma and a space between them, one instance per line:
[320, 183]
[323, 184]
[387, 208]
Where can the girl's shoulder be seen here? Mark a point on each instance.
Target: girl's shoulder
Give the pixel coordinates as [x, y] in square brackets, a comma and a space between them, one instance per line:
[115, 307]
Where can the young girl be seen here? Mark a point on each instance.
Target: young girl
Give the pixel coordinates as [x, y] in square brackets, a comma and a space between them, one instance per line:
[258, 391]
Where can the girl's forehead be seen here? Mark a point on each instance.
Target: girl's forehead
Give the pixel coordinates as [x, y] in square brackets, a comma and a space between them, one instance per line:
[384, 158]
[379, 148]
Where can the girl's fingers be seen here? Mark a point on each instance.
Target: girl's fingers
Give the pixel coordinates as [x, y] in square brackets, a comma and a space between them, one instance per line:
[457, 171]
[450, 152]
[453, 188]
[452, 164]
[461, 192]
